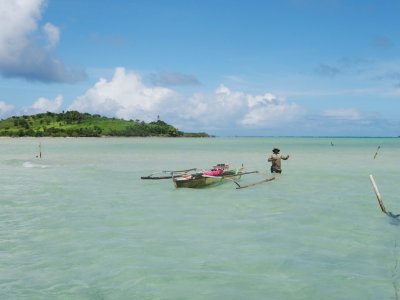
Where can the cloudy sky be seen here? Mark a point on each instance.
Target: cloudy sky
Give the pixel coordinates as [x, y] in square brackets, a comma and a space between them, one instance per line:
[251, 67]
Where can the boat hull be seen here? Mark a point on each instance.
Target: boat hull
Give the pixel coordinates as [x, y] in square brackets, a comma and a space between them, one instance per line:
[203, 181]
[197, 182]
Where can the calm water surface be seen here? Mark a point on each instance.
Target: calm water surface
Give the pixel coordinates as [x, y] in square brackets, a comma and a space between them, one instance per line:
[79, 223]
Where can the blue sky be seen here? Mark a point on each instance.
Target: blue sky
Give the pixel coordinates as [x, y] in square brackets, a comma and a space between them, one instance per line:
[269, 68]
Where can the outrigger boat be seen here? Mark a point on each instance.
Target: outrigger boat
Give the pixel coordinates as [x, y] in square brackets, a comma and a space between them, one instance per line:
[217, 175]
[192, 178]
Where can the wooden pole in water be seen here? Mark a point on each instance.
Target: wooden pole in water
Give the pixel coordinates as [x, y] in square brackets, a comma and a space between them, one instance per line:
[254, 183]
[376, 153]
[378, 195]
[40, 150]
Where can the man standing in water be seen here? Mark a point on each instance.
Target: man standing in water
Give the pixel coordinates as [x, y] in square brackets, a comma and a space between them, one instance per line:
[275, 159]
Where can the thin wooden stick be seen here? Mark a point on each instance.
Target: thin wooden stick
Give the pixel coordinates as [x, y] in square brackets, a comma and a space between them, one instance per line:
[254, 183]
[378, 195]
[244, 173]
[376, 153]
[151, 176]
[179, 171]
[40, 151]
[156, 177]
[229, 175]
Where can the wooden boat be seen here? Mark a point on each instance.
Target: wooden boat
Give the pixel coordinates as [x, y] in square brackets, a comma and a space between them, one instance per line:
[204, 179]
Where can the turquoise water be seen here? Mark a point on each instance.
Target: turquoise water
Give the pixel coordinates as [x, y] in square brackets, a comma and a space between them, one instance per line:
[80, 224]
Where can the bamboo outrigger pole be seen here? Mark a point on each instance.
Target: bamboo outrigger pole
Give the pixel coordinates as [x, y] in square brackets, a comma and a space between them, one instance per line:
[254, 183]
[151, 176]
[378, 195]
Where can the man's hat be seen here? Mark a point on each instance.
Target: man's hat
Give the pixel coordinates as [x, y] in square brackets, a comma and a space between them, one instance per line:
[275, 150]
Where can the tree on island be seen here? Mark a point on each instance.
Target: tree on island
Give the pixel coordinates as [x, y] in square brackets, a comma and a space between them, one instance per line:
[76, 124]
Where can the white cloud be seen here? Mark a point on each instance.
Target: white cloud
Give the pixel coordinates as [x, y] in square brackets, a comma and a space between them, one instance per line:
[18, 19]
[5, 108]
[219, 109]
[228, 101]
[21, 54]
[271, 115]
[268, 110]
[125, 96]
[262, 99]
[45, 105]
[237, 108]
[349, 114]
[53, 34]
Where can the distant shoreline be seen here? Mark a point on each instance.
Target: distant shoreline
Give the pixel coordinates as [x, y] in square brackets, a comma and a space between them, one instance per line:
[76, 124]
[188, 137]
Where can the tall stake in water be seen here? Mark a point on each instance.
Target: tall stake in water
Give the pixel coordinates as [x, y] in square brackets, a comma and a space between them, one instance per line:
[376, 153]
[40, 150]
[378, 195]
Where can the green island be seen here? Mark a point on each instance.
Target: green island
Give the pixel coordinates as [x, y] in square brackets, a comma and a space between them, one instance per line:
[76, 124]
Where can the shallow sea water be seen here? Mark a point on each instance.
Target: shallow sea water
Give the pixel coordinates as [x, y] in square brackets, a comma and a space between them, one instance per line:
[79, 223]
